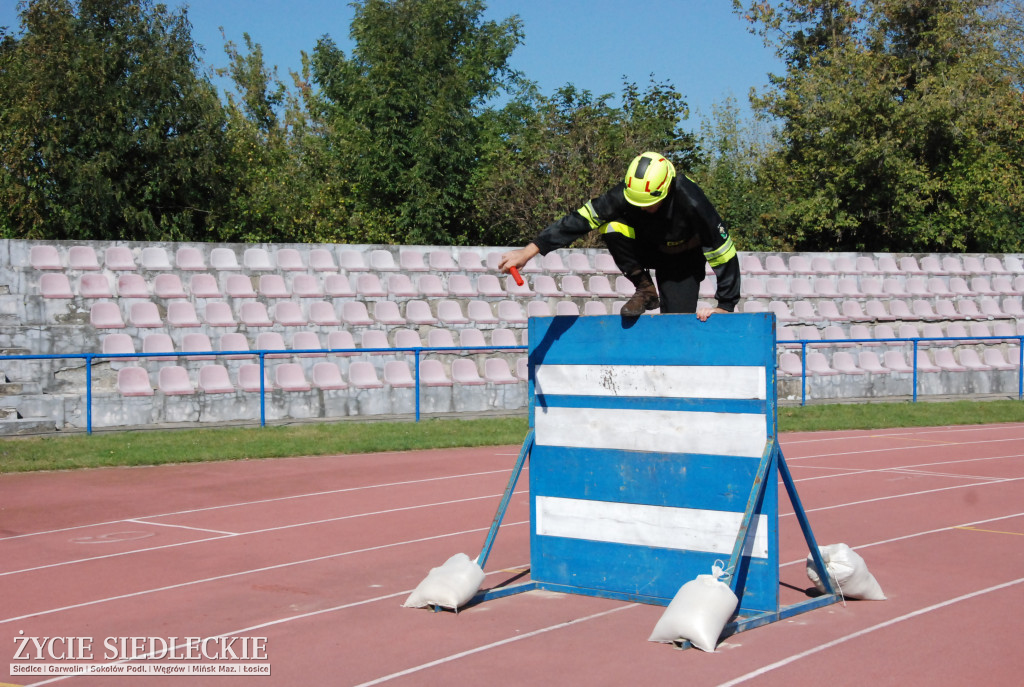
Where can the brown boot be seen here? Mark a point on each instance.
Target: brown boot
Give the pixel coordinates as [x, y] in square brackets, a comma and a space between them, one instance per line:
[645, 298]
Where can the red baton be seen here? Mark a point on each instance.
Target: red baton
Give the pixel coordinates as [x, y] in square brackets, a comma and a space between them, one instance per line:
[515, 275]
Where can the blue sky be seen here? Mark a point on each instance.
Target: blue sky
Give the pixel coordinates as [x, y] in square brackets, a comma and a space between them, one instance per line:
[700, 46]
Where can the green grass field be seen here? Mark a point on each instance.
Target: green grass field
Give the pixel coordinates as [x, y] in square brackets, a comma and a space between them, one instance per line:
[156, 447]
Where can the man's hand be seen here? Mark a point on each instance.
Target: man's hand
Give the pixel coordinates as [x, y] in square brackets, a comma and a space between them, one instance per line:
[518, 258]
[704, 313]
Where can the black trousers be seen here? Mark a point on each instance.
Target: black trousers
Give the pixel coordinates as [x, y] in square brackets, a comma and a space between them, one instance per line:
[678, 275]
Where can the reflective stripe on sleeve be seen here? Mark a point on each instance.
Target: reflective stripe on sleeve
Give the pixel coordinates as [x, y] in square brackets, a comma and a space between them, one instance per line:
[588, 213]
[619, 227]
[722, 255]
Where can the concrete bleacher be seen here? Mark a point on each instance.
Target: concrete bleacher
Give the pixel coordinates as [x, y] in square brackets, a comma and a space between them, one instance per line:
[319, 306]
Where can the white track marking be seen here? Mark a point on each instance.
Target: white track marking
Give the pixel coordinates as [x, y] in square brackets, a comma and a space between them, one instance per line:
[243, 534]
[228, 576]
[139, 521]
[241, 504]
[492, 645]
[866, 631]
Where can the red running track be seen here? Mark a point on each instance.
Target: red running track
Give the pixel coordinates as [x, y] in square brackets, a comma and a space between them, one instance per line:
[308, 560]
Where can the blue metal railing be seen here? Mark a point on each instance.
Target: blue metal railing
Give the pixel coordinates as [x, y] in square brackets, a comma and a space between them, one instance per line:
[418, 351]
[804, 343]
[261, 354]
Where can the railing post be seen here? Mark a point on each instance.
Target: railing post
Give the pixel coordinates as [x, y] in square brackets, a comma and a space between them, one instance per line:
[416, 364]
[88, 393]
[803, 373]
[263, 405]
[913, 366]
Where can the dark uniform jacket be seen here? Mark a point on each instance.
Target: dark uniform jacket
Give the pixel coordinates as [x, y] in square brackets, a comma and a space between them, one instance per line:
[686, 221]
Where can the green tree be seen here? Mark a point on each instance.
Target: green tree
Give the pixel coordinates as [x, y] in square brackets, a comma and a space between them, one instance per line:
[546, 156]
[284, 186]
[900, 126]
[107, 128]
[403, 112]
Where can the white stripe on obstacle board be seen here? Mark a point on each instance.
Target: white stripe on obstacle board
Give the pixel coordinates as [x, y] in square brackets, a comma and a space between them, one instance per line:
[669, 431]
[686, 529]
[660, 381]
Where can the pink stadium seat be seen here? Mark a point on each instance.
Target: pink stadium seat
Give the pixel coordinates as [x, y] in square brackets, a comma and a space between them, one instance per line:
[959, 287]
[489, 286]
[536, 309]
[55, 285]
[470, 261]
[157, 343]
[430, 286]
[239, 286]
[327, 376]
[523, 369]
[983, 286]
[578, 263]
[909, 266]
[968, 309]
[306, 340]
[945, 310]
[223, 259]
[853, 312]
[951, 265]
[930, 264]
[917, 287]
[751, 265]
[546, 286]
[442, 261]
[204, 285]
[604, 262]
[503, 337]
[168, 286]
[449, 312]
[894, 287]
[790, 365]
[825, 287]
[398, 375]
[784, 334]
[552, 262]
[775, 265]
[799, 287]
[833, 332]
[369, 285]
[754, 287]
[601, 286]
[235, 341]
[440, 338]
[289, 314]
[464, 372]
[322, 260]
[289, 260]
[218, 314]
[400, 285]
[887, 265]
[869, 362]
[257, 259]
[461, 286]
[970, 360]
[362, 375]
[119, 344]
[924, 363]
[418, 312]
[800, 264]
[382, 260]
[374, 339]
[290, 377]
[973, 265]
[843, 363]
[432, 374]
[1012, 307]
[871, 287]
[496, 371]
[777, 287]
[173, 380]
[273, 286]
[338, 286]
[900, 310]
[214, 379]
[155, 258]
[894, 360]
[990, 308]
[341, 340]
[93, 285]
[189, 258]
[515, 290]
[144, 314]
[249, 378]
[119, 259]
[511, 312]
[254, 314]
[572, 286]
[323, 313]
[863, 264]
[471, 337]
[354, 313]
[993, 357]
[407, 338]
[782, 311]
[412, 261]
[995, 266]
[937, 288]
[817, 365]
[352, 261]
[272, 341]
[197, 342]
[133, 381]
[182, 314]
[821, 264]
[82, 258]
[594, 308]
[875, 309]
[567, 309]
[480, 312]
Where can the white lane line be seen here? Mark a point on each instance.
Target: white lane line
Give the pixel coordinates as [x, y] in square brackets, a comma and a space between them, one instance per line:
[242, 504]
[139, 521]
[492, 645]
[866, 631]
[228, 576]
[893, 449]
[244, 534]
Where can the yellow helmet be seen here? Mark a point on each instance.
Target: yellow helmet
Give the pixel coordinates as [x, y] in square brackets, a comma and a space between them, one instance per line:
[648, 179]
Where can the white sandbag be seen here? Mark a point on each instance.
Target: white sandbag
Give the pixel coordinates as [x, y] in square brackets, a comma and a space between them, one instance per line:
[698, 612]
[450, 586]
[848, 570]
